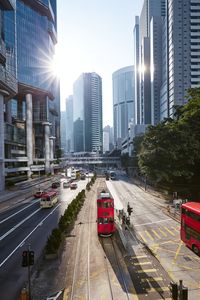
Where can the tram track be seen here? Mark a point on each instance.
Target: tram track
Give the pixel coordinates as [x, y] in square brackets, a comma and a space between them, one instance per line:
[81, 278]
[112, 258]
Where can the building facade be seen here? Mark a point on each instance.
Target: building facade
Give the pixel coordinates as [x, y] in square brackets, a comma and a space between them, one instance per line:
[8, 74]
[69, 125]
[32, 114]
[123, 102]
[87, 113]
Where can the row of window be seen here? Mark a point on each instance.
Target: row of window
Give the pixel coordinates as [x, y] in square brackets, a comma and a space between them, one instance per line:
[105, 220]
[191, 214]
[190, 232]
[105, 204]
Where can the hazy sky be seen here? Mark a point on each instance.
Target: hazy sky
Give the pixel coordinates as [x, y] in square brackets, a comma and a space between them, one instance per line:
[95, 36]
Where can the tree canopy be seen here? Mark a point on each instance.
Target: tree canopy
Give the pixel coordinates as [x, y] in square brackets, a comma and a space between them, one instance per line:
[169, 153]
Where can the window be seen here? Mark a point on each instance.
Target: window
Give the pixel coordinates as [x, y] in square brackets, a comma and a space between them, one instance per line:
[190, 232]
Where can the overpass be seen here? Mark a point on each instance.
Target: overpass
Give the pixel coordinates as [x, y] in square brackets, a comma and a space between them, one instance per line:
[95, 161]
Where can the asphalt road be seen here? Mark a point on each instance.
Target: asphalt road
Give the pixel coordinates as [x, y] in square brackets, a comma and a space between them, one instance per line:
[22, 225]
[158, 235]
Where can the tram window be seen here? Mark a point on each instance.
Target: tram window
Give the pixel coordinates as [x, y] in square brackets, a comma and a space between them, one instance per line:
[108, 204]
[106, 220]
[111, 220]
[100, 220]
[99, 204]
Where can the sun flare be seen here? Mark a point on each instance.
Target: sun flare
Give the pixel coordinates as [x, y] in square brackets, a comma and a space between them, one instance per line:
[56, 64]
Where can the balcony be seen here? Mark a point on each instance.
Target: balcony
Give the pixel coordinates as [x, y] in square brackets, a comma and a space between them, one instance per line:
[2, 52]
[7, 81]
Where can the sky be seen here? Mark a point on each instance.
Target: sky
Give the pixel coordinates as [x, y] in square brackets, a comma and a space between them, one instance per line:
[94, 36]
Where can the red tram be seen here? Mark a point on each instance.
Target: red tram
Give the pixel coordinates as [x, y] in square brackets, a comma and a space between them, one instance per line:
[105, 214]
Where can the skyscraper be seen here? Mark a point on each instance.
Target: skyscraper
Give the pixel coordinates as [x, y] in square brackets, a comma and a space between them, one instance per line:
[150, 53]
[69, 124]
[183, 50]
[8, 81]
[32, 114]
[87, 113]
[123, 102]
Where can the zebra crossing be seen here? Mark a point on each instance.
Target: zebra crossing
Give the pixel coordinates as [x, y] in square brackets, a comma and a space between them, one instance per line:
[159, 233]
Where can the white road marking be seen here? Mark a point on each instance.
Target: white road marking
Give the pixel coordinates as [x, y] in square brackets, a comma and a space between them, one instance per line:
[151, 222]
[19, 224]
[6, 219]
[22, 242]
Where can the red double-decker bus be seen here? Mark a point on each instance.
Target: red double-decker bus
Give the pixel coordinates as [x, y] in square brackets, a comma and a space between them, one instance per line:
[105, 214]
[190, 225]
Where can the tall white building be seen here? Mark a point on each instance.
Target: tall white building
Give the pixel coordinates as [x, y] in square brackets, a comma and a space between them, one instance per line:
[87, 113]
[69, 124]
[183, 29]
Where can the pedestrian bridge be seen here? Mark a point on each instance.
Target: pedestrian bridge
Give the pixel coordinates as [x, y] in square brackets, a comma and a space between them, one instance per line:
[91, 160]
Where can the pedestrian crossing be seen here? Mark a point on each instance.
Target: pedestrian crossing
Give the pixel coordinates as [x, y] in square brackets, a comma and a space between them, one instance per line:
[160, 233]
[150, 280]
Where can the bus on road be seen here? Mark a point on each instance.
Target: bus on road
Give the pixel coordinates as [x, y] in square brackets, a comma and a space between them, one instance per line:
[48, 199]
[190, 225]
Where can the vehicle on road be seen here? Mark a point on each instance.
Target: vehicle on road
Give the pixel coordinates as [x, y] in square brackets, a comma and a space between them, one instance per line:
[83, 176]
[38, 194]
[113, 175]
[55, 185]
[73, 186]
[48, 199]
[190, 225]
[105, 214]
[66, 184]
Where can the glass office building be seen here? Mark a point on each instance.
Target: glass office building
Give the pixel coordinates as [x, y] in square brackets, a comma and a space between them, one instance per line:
[87, 113]
[123, 102]
[35, 109]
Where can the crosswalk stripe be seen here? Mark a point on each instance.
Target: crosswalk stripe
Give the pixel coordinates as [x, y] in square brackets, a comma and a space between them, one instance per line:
[142, 263]
[148, 234]
[143, 237]
[155, 233]
[139, 256]
[162, 232]
[147, 271]
[152, 279]
[169, 231]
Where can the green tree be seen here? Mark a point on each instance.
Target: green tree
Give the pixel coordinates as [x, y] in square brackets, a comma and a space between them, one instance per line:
[170, 152]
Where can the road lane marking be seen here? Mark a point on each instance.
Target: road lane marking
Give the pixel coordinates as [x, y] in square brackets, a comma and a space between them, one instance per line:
[156, 234]
[146, 271]
[143, 224]
[143, 237]
[162, 232]
[152, 279]
[139, 256]
[19, 224]
[167, 229]
[6, 219]
[142, 263]
[22, 242]
[148, 234]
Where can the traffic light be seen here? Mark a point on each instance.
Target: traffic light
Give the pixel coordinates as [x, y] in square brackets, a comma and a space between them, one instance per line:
[25, 259]
[130, 210]
[174, 290]
[31, 258]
